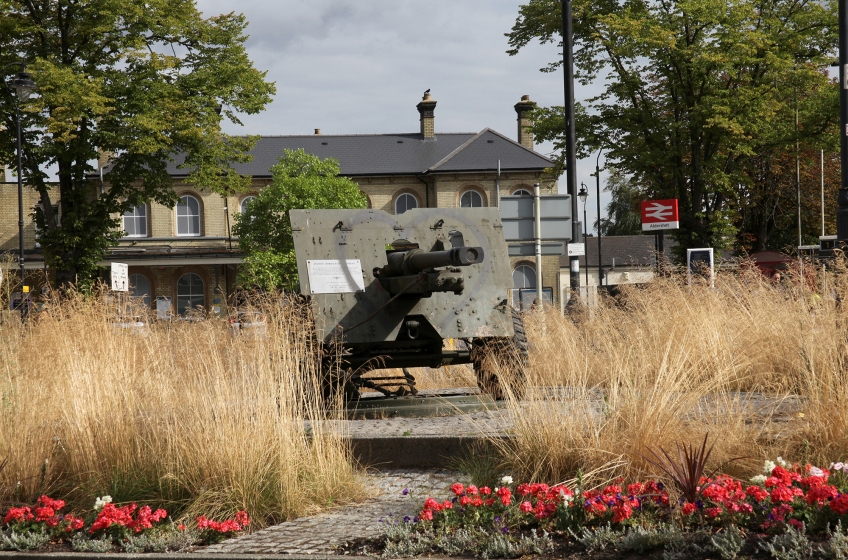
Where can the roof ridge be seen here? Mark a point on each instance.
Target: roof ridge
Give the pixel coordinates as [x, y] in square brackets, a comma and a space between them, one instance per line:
[261, 136]
[457, 150]
[534, 152]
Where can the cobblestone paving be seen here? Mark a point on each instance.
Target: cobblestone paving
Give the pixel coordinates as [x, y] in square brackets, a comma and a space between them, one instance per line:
[319, 534]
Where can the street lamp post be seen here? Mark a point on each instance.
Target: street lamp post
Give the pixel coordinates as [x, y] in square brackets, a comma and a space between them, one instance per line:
[23, 86]
[598, 194]
[583, 195]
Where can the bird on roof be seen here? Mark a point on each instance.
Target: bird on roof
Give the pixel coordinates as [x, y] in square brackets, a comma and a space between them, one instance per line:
[426, 92]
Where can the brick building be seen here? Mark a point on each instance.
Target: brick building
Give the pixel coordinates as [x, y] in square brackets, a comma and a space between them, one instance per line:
[185, 256]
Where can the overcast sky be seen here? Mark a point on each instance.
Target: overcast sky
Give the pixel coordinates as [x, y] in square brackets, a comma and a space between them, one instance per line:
[361, 66]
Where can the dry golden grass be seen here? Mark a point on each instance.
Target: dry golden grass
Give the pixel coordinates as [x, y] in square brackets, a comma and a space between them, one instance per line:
[668, 363]
[187, 415]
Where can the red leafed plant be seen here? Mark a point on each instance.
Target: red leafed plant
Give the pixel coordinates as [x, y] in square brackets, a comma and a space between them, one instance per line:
[126, 518]
[686, 471]
[215, 531]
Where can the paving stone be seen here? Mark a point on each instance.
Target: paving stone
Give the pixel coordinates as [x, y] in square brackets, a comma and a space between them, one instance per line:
[360, 520]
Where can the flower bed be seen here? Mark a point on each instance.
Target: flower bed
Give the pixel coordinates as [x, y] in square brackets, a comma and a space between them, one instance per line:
[107, 526]
[783, 507]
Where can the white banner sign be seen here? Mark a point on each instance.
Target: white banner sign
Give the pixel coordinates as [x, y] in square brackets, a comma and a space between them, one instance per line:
[576, 249]
[335, 277]
[120, 277]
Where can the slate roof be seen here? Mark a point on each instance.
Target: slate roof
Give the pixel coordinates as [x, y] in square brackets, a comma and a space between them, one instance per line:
[627, 250]
[397, 154]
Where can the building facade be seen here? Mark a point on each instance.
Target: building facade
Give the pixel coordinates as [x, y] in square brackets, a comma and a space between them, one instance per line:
[185, 258]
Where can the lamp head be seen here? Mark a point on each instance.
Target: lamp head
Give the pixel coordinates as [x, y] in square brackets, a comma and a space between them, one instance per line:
[23, 85]
[583, 194]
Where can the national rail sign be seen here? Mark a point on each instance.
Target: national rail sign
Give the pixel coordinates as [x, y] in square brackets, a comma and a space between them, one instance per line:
[660, 215]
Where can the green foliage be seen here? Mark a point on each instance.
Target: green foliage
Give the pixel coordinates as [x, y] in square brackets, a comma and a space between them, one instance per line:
[598, 538]
[694, 90]
[483, 466]
[728, 542]
[81, 542]
[300, 180]
[141, 81]
[623, 214]
[791, 545]
[405, 540]
[31, 539]
[644, 539]
[169, 539]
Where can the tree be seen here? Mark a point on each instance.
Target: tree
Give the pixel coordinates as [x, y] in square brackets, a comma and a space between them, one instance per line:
[139, 81]
[693, 90]
[623, 213]
[300, 180]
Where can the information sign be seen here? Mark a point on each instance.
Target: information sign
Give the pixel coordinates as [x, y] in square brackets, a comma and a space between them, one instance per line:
[335, 277]
[120, 277]
[660, 215]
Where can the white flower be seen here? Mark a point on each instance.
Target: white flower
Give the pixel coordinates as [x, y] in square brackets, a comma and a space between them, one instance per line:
[815, 471]
[837, 466]
[781, 462]
[759, 479]
[100, 502]
[506, 480]
[768, 466]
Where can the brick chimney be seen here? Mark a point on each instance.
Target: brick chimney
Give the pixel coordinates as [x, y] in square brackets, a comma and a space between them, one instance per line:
[523, 109]
[426, 107]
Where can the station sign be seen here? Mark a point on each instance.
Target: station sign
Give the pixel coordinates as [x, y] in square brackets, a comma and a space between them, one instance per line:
[658, 215]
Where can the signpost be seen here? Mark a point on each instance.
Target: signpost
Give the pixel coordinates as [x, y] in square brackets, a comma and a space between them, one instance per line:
[658, 216]
[120, 277]
[542, 220]
[701, 263]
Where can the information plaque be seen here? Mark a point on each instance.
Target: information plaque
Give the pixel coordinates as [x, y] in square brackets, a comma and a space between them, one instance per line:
[335, 277]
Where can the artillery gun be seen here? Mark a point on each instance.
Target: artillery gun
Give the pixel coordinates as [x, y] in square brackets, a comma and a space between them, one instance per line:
[426, 288]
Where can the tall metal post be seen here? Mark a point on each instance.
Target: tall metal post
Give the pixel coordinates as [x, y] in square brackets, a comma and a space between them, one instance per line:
[842, 210]
[598, 190]
[570, 157]
[20, 210]
[537, 240]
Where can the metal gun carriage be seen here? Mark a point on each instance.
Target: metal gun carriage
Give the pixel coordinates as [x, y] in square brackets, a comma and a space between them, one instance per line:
[426, 288]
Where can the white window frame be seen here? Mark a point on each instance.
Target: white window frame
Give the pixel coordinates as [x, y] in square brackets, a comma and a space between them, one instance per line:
[187, 217]
[133, 216]
[191, 296]
[402, 196]
[470, 194]
[242, 207]
[522, 192]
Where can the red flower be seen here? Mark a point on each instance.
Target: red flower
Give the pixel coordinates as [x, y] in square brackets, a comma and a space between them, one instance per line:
[485, 490]
[464, 501]
[471, 490]
[839, 504]
[526, 507]
[426, 514]
[782, 493]
[523, 489]
[757, 492]
[457, 488]
[689, 508]
[821, 494]
[621, 512]
[713, 512]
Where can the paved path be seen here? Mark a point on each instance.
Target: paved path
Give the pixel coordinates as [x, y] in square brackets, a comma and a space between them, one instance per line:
[320, 534]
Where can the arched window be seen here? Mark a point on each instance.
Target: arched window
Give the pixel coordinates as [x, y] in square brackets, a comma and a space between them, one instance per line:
[135, 221]
[245, 202]
[524, 277]
[471, 199]
[523, 286]
[522, 192]
[188, 216]
[404, 202]
[140, 288]
[190, 293]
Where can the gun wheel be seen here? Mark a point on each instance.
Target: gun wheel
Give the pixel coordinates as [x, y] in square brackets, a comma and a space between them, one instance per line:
[501, 363]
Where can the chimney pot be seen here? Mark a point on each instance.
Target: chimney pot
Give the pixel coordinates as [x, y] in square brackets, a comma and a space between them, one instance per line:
[317, 132]
[426, 108]
[523, 108]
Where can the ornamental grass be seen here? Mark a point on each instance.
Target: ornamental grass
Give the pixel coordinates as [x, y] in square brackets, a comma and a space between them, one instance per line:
[185, 414]
[760, 367]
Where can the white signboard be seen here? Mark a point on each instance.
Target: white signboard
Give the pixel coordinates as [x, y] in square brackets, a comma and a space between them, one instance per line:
[335, 277]
[576, 249]
[163, 308]
[120, 277]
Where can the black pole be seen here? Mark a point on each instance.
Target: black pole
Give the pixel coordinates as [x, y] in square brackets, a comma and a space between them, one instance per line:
[661, 254]
[586, 257]
[570, 157]
[598, 189]
[842, 211]
[24, 295]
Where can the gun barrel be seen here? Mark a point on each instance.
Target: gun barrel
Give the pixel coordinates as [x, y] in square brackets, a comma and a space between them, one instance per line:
[418, 260]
